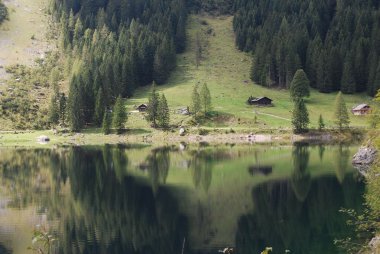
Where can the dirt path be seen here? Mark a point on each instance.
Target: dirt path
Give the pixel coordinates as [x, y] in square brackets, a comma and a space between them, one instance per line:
[278, 117]
[23, 38]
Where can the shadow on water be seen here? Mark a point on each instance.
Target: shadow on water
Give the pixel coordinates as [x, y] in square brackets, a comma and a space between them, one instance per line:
[300, 214]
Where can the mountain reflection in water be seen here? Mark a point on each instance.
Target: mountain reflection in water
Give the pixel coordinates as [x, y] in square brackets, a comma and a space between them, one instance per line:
[138, 199]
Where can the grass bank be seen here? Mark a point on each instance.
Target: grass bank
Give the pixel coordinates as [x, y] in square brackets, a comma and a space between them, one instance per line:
[193, 135]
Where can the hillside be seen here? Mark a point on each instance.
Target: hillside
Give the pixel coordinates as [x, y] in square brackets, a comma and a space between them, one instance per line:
[225, 69]
[23, 37]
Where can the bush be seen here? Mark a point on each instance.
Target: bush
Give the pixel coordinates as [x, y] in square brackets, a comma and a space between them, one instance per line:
[3, 12]
[203, 132]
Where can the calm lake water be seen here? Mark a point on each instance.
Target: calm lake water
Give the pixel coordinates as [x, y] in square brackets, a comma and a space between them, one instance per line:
[178, 199]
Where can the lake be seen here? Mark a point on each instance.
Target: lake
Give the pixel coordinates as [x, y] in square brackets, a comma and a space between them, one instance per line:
[181, 198]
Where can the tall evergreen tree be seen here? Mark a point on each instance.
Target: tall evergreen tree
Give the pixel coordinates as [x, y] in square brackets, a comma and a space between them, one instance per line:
[119, 115]
[299, 88]
[348, 79]
[300, 117]
[99, 107]
[75, 106]
[163, 113]
[62, 109]
[342, 118]
[106, 124]
[54, 110]
[205, 99]
[321, 123]
[195, 101]
[153, 106]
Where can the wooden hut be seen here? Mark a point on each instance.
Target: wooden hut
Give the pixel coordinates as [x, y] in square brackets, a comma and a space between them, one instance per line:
[142, 107]
[261, 101]
[360, 110]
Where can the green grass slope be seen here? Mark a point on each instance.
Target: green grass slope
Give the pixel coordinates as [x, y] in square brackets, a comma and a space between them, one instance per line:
[226, 71]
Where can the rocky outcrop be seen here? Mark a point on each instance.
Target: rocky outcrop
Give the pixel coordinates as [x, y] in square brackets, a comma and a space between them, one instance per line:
[43, 139]
[364, 158]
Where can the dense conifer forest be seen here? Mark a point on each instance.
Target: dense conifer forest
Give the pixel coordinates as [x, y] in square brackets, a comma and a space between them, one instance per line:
[116, 46]
[336, 42]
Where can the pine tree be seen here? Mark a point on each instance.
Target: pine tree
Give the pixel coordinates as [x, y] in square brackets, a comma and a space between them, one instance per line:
[374, 117]
[106, 125]
[99, 107]
[341, 114]
[62, 109]
[321, 123]
[299, 88]
[205, 99]
[119, 115]
[300, 117]
[348, 79]
[75, 107]
[195, 101]
[153, 106]
[376, 81]
[163, 113]
[54, 109]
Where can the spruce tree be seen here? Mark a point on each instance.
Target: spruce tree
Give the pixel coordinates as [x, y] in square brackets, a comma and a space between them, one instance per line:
[99, 107]
[341, 114]
[299, 88]
[153, 106]
[195, 101]
[348, 79]
[119, 115]
[75, 107]
[321, 123]
[54, 110]
[300, 117]
[106, 125]
[62, 109]
[205, 99]
[376, 81]
[163, 113]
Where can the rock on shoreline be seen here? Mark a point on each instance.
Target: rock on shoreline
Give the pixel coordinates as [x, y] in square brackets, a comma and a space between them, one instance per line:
[364, 158]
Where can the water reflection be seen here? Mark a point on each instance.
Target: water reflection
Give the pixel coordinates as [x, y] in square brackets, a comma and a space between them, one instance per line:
[300, 214]
[201, 167]
[300, 178]
[111, 212]
[137, 199]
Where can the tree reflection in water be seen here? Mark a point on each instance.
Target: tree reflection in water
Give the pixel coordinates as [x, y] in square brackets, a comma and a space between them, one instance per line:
[113, 213]
[300, 214]
[101, 206]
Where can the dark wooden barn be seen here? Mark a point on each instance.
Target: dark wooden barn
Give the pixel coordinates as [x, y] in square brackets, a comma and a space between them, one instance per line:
[261, 101]
[142, 107]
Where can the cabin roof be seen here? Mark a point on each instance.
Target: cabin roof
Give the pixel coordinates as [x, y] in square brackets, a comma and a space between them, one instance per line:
[260, 98]
[360, 107]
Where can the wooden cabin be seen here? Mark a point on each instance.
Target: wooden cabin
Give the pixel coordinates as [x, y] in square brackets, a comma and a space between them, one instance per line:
[261, 101]
[142, 107]
[360, 110]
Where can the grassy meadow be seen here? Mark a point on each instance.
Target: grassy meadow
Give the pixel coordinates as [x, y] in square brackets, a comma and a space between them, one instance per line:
[226, 71]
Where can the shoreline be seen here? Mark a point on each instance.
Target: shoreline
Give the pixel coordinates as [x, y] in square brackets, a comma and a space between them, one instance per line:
[151, 136]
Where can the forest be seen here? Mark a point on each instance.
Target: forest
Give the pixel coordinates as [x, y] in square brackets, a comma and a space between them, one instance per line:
[336, 42]
[114, 47]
